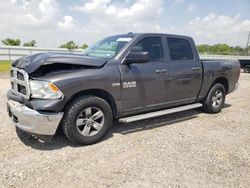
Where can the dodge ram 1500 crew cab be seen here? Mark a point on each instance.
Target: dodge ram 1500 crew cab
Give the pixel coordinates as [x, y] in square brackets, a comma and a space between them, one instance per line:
[126, 77]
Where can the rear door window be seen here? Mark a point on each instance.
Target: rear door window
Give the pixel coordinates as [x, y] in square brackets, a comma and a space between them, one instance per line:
[179, 49]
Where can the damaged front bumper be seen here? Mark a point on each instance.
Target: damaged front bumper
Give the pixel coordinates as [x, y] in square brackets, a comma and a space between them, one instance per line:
[32, 121]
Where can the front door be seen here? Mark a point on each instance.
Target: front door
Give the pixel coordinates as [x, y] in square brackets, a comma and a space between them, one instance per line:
[144, 84]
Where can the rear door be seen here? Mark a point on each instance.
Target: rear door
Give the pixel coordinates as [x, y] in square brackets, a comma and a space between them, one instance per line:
[144, 84]
[185, 70]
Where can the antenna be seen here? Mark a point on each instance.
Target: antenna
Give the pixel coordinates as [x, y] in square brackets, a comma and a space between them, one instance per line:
[248, 40]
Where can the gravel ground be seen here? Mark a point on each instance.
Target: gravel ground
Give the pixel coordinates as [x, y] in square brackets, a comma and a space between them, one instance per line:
[187, 149]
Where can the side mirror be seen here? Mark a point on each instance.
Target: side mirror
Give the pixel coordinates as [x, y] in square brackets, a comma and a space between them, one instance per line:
[137, 57]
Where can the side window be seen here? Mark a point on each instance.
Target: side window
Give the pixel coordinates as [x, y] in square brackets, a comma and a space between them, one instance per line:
[180, 49]
[152, 45]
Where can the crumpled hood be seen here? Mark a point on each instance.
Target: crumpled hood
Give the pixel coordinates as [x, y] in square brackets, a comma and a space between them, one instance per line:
[33, 62]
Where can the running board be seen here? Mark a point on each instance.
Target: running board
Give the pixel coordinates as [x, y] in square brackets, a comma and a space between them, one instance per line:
[159, 113]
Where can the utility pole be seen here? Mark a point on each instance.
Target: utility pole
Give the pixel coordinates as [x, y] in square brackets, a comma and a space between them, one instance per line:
[248, 39]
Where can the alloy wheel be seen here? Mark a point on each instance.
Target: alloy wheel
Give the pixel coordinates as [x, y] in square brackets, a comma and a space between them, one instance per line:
[217, 98]
[90, 121]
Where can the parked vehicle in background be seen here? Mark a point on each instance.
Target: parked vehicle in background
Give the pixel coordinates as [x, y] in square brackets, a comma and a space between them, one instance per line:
[245, 65]
[126, 77]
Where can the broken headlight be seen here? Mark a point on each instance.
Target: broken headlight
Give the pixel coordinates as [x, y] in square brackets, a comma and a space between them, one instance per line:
[44, 90]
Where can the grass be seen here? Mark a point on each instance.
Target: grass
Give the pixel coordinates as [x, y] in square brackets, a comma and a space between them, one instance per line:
[5, 65]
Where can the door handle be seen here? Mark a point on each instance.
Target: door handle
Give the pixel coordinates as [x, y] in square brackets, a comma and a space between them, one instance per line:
[161, 71]
[195, 68]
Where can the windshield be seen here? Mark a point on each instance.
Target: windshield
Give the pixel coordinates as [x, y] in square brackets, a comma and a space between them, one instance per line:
[108, 47]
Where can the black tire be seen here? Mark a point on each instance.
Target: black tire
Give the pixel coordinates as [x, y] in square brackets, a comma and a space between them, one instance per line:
[247, 69]
[210, 105]
[72, 113]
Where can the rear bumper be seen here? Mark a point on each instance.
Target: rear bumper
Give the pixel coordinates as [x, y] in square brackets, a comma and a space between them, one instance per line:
[31, 121]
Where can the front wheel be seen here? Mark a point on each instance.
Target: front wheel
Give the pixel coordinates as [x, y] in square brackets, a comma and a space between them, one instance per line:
[215, 99]
[87, 120]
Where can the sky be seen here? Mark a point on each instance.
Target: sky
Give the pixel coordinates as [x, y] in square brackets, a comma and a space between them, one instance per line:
[53, 22]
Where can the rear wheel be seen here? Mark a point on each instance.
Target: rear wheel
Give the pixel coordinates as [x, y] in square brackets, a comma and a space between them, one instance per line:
[247, 69]
[87, 120]
[215, 99]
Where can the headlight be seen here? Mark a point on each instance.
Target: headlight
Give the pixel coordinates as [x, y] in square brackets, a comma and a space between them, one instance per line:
[44, 90]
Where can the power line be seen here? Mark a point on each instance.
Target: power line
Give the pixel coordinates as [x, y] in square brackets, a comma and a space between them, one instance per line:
[248, 39]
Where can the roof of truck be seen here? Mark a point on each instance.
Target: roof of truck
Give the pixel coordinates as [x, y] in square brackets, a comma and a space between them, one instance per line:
[130, 34]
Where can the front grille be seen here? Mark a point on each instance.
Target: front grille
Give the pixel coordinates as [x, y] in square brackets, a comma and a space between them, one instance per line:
[20, 76]
[11, 73]
[20, 82]
[21, 89]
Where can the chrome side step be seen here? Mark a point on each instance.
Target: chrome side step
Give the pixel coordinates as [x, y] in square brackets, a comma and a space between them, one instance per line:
[159, 113]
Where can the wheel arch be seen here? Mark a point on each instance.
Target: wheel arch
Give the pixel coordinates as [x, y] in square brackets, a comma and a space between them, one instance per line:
[98, 93]
[221, 80]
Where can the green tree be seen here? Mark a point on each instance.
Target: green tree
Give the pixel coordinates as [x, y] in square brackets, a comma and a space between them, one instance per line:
[247, 51]
[222, 49]
[84, 46]
[203, 48]
[11, 42]
[238, 50]
[31, 43]
[69, 45]
[219, 49]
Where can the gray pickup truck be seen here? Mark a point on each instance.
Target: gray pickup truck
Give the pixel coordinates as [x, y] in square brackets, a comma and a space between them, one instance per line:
[126, 77]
